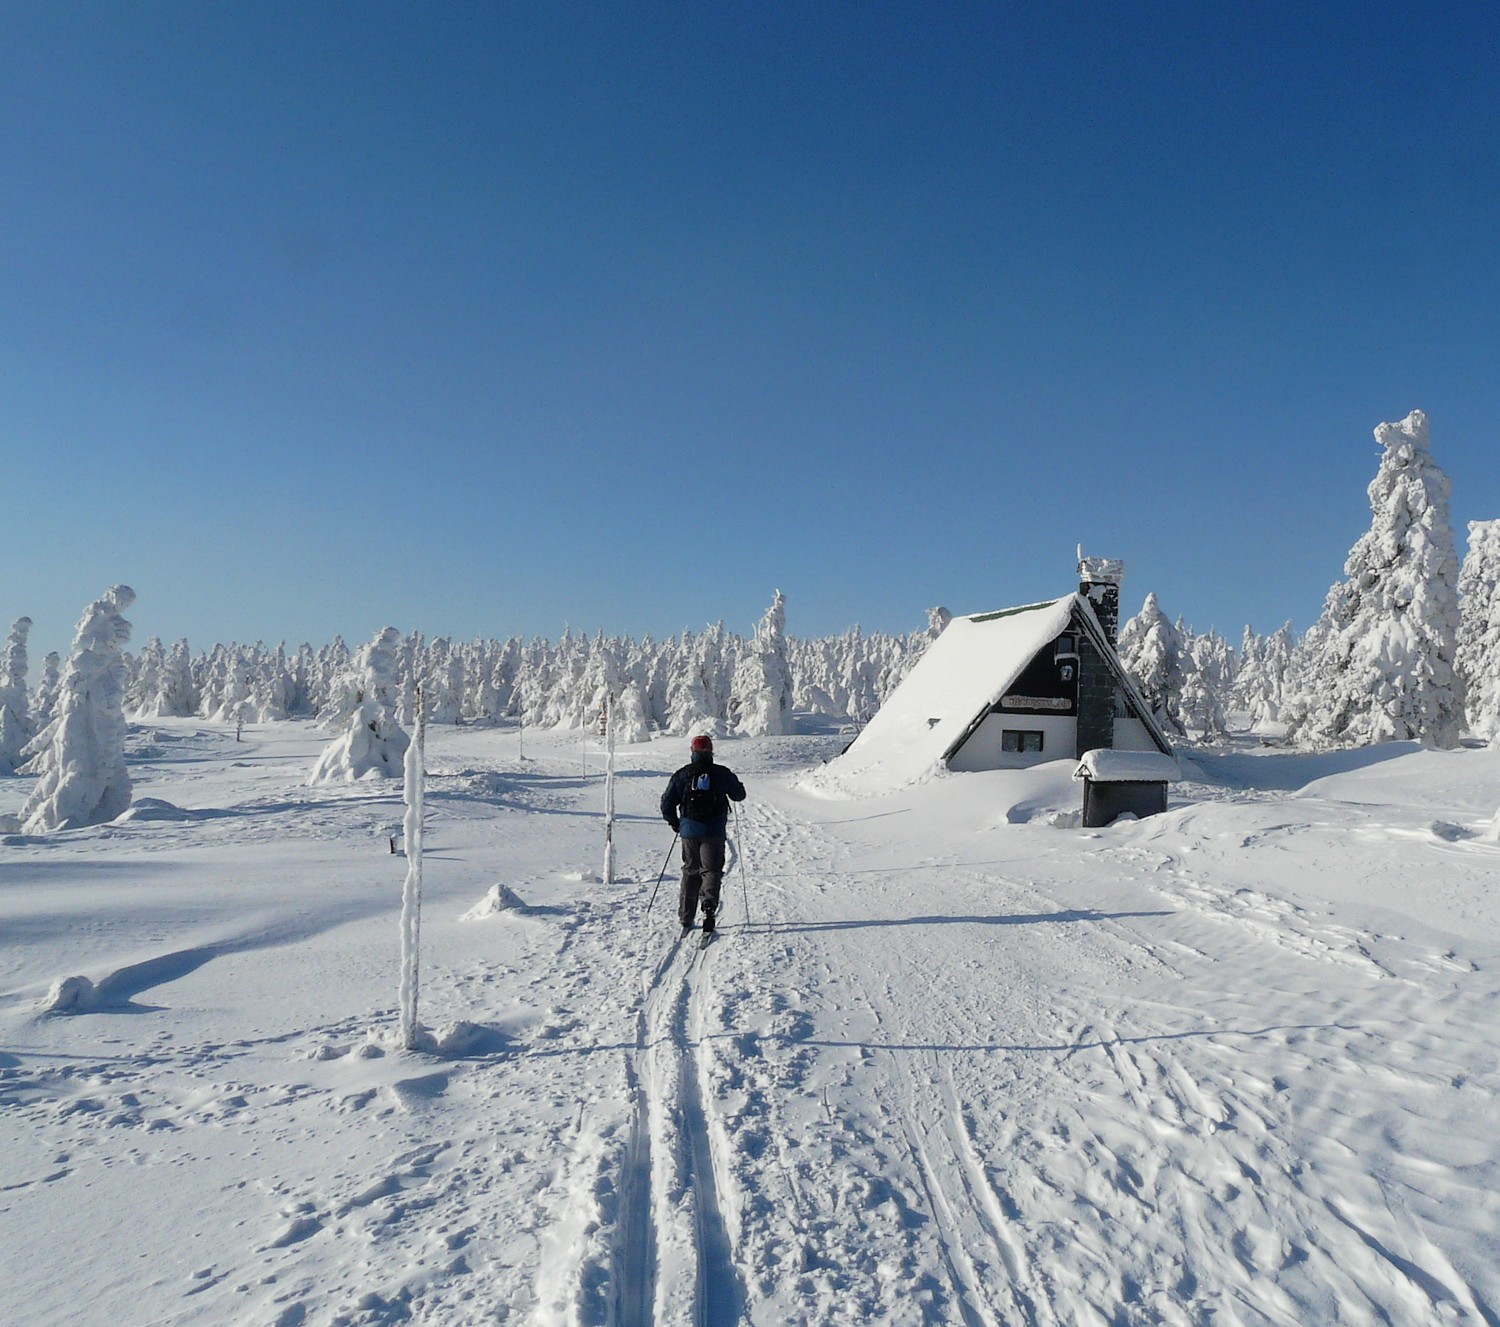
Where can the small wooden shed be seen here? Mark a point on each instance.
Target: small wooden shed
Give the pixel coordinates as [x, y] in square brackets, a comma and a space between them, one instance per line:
[1116, 783]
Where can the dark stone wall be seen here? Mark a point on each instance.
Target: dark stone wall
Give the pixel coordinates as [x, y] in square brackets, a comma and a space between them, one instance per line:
[1105, 599]
[1096, 699]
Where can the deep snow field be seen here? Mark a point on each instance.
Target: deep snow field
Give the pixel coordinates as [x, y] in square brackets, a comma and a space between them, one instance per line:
[1236, 1064]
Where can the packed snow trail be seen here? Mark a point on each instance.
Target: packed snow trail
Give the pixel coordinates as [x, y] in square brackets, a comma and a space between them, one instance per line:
[635, 1260]
[1083, 1160]
[1234, 1064]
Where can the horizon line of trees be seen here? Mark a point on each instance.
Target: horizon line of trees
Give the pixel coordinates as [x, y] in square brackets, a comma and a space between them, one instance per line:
[714, 681]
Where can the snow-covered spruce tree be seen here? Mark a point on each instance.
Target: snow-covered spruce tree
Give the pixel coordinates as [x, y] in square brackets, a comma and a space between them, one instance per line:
[373, 743]
[760, 698]
[1379, 665]
[271, 686]
[144, 689]
[1257, 689]
[15, 705]
[1250, 675]
[628, 715]
[1151, 651]
[1277, 658]
[80, 755]
[44, 700]
[231, 698]
[443, 689]
[1200, 704]
[690, 708]
[178, 695]
[1478, 657]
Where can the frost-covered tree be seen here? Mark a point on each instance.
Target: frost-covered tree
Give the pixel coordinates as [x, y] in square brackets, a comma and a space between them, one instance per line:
[628, 716]
[690, 707]
[1379, 665]
[1200, 706]
[1260, 677]
[443, 687]
[44, 700]
[1250, 675]
[373, 744]
[142, 694]
[1478, 659]
[760, 699]
[1151, 650]
[231, 704]
[15, 705]
[80, 755]
[178, 695]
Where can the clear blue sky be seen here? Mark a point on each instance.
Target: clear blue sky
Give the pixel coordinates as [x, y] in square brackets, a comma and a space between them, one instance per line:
[484, 318]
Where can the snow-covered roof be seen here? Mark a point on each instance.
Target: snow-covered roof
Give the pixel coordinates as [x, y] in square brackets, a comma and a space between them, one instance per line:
[1104, 766]
[963, 672]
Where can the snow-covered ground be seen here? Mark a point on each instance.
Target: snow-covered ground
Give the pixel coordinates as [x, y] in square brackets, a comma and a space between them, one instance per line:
[965, 1064]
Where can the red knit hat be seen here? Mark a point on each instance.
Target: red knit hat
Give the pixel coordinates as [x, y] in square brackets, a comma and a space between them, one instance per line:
[703, 743]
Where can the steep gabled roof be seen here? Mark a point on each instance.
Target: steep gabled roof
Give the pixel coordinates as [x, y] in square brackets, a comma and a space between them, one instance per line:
[954, 685]
[964, 672]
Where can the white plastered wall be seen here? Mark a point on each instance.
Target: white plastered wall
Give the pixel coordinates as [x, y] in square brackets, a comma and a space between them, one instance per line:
[1131, 735]
[982, 750]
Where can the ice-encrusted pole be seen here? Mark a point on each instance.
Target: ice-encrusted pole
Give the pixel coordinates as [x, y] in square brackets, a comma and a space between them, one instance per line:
[609, 790]
[411, 891]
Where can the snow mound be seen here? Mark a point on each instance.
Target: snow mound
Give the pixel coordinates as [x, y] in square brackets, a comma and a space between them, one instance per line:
[71, 995]
[1043, 794]
[155, 808]
[461, 1041]
[468, 1041]
[501, 898]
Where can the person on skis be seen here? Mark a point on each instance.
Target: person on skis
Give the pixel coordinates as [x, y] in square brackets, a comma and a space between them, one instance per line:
[696, 805]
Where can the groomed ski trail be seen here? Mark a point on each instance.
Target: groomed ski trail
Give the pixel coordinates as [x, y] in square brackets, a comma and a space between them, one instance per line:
[674, 1254]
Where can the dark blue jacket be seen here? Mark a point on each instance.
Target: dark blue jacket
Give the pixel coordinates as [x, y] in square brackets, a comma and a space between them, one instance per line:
[721, 780]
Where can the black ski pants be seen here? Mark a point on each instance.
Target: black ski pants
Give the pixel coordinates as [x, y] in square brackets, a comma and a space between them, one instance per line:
[702, 874]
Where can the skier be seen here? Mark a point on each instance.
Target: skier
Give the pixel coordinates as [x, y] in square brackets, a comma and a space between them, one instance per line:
[696, 805]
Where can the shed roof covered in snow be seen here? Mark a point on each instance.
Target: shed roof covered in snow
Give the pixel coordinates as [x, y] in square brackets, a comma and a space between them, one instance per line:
[1103, 766]
[963, 672]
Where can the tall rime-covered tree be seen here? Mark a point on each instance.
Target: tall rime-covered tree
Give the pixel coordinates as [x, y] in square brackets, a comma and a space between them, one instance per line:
[1379, 665]
[15, 704]
[44, 700]
[760, 698]
[80, 755]
[1478, 657]
[1151, 650]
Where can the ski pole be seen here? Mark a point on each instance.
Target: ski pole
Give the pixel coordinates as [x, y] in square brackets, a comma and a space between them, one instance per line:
[663, 874]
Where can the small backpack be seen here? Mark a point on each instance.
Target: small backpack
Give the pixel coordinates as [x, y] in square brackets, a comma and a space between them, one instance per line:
[700, 802]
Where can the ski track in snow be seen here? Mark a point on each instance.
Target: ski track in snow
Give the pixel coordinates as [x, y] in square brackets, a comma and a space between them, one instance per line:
[1057, 1077]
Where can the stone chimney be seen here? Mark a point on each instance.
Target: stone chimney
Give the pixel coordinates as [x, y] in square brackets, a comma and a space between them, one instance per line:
[1099, 582]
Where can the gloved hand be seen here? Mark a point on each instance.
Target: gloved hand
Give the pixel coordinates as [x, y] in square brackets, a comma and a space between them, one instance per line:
[676, 823]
